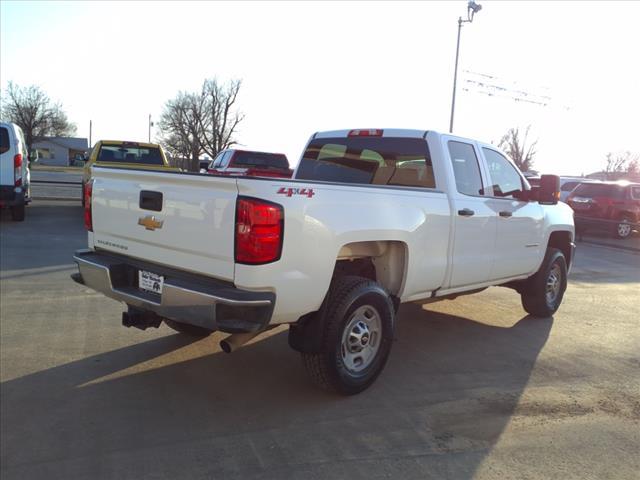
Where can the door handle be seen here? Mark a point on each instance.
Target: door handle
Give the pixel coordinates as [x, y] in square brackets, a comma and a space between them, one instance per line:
[150, 200]
[505, 214]
[466, 212]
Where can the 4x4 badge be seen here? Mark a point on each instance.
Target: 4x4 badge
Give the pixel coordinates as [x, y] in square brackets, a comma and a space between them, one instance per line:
[150, 223]
[308, 192]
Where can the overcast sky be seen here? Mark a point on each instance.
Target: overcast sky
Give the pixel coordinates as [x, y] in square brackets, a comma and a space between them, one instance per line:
[316, 66]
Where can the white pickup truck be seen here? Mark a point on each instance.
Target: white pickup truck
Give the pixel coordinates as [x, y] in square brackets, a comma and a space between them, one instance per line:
[371, 219]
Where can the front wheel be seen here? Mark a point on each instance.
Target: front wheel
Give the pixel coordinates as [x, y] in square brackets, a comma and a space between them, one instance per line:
[623, 229]
[543, 292]
[358, 321]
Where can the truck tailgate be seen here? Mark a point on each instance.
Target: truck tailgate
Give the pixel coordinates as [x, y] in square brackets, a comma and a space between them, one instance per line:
[171, 219]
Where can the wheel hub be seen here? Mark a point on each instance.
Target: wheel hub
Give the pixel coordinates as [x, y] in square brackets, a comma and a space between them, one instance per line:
[552, 289]
[360, 340]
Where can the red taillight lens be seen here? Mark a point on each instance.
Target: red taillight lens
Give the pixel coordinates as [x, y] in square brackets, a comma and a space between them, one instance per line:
[372, 132]
[88, 219]
[17, 169]
[259, 228]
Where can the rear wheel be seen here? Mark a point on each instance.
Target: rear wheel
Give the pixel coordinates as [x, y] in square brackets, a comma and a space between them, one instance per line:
[17, 213]
[358, 321]
[187, 329]
[542, 295]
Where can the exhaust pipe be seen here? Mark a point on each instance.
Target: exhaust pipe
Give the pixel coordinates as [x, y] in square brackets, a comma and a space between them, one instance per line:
[234, 341]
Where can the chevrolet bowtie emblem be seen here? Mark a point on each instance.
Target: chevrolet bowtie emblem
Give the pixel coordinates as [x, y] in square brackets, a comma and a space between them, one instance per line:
[150, 223]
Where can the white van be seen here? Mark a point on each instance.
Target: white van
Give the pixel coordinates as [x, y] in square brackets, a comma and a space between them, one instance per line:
[15, 191]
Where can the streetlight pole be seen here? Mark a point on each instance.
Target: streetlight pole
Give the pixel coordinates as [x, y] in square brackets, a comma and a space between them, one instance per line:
[472, 9]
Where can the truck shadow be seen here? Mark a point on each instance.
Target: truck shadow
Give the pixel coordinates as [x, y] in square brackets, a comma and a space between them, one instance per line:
[169, 408]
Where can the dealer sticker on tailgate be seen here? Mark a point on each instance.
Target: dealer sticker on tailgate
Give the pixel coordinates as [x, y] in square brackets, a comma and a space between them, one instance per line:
[151, 282]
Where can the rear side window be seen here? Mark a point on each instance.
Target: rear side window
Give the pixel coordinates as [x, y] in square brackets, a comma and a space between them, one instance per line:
[130, 154]
[4, 140]
[568, 186]
[599, 190]
[368, 160]
[259, 159]
[635, 193]
[466, 169]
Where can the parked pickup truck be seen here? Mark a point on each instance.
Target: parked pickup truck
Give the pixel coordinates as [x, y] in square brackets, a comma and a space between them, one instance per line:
[250, 164]
[372, 219]
[123, 154]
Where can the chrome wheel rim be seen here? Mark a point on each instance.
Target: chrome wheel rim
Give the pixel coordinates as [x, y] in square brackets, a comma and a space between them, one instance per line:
[361, 338]
[554, 282]
[624, 229]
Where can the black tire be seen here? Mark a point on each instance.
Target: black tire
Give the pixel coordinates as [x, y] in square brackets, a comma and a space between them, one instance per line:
[623, 228]
[539, 296]
[350, 298]
[191, 330]
[17, 213]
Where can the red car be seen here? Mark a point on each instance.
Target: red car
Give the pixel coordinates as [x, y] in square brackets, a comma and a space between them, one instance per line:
[612, 206]
[253, 164]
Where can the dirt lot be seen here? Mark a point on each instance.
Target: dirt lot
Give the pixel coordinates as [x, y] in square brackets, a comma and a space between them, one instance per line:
[473, 388]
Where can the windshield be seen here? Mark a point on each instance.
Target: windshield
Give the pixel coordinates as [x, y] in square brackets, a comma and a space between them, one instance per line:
[599, 190]
[130, 154]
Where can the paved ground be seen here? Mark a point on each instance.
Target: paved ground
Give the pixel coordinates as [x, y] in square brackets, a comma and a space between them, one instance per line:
[473, 388]
[50, 190]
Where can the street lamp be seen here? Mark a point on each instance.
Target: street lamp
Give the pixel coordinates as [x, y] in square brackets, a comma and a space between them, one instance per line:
[472, 9]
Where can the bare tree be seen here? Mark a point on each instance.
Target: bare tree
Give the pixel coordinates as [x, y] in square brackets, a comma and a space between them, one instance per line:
[221, 118]
[204, 122]
[180, 126]
[517, 148]
[32, 110]
[621, 162]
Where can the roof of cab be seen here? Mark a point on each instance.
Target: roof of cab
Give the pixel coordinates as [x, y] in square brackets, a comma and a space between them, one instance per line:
[131, 143]
[386, 132]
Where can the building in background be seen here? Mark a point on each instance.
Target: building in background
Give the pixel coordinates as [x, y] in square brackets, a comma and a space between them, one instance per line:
[61, 151]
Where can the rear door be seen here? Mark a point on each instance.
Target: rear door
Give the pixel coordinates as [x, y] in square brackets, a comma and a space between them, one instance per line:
[6, 155]
[475, 220]
[178, 220]
[519, 241]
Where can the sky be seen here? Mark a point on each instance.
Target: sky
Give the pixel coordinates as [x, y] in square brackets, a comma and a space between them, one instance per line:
[308, 66]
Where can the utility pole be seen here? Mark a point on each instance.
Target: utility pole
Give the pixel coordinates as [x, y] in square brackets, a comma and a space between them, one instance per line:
[150, 125]
[472, 9]
[90, 128]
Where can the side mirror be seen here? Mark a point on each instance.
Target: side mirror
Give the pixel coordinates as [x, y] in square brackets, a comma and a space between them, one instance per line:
[549, 190]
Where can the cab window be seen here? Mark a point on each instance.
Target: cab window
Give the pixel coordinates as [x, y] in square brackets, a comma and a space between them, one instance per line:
[466, 169]
[503, 176]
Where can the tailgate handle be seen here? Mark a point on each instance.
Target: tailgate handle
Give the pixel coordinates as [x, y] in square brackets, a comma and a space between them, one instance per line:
[150, 200]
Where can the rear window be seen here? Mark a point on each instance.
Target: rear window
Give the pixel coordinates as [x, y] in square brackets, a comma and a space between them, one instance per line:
[130, 154]
[368, 160]
[258, 159]
[4, 140]
[599, 190]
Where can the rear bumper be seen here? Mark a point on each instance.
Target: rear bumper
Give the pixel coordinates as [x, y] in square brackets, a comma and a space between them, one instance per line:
[186, 297]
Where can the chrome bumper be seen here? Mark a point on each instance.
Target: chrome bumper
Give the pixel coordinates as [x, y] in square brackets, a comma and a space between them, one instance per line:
[186, 298]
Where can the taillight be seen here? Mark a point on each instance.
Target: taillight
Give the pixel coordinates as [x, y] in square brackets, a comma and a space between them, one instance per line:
[88, 219]
[259, 230]
[17, 169]
[371, 132]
